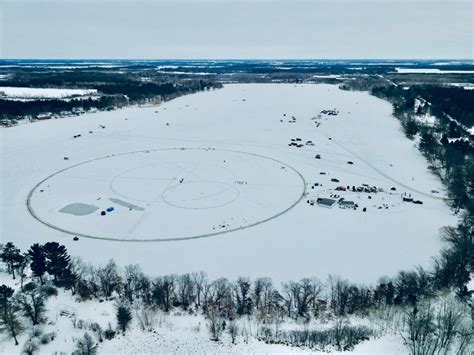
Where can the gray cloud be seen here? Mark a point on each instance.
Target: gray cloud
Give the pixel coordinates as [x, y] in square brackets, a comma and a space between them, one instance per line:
[236, 29]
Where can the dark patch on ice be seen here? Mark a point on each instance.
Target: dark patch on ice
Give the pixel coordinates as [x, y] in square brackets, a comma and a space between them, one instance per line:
[126, 204]
[79, 209]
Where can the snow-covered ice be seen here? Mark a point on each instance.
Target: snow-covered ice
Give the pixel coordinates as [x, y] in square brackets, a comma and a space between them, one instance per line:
[141, 193]
[251, 118]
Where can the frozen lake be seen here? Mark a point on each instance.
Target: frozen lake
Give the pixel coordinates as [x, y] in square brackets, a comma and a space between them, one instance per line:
[251, 174]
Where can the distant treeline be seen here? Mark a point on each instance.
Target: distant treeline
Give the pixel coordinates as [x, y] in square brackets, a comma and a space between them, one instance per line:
[114, 91]
[454, 101]
[18, 109]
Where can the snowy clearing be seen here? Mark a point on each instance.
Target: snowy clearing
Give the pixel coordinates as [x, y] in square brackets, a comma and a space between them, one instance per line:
[465, 86]
[431, 71]
[29, 93]
[360, 147]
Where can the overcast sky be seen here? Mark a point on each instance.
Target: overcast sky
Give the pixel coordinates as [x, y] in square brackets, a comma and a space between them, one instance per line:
[220, 29]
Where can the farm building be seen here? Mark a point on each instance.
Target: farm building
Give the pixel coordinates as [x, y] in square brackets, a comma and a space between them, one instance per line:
[326, 202]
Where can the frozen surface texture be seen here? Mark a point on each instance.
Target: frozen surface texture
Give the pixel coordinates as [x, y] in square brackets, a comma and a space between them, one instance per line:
[259, 119]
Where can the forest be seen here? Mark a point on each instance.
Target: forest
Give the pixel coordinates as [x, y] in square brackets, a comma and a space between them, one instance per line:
[114, 91]
[446, 145]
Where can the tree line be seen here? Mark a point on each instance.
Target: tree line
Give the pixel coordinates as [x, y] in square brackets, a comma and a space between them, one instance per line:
[446, 145]
[112, 94]
[223, 301]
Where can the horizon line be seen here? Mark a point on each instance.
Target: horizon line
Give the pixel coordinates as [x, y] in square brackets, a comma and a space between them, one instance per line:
[245, 59]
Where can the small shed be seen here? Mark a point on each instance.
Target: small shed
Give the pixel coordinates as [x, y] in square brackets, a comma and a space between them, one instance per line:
[347, 204]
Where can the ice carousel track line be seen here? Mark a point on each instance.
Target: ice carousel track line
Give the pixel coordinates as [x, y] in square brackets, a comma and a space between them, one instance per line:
[134, 240]
[397, 182]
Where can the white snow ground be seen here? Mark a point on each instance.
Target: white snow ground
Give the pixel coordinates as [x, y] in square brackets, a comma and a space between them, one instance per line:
[431, 71]
[49, 93]
[307, 240]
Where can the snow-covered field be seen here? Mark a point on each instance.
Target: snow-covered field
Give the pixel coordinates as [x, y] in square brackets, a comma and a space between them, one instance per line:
[431, 71]
[256, 119]
[465, 86]
[31, 93]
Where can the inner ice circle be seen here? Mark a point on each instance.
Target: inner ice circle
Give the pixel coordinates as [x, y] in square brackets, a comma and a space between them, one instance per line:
[166, 194]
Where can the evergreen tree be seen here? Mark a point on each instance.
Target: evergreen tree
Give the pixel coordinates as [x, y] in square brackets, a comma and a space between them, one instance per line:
[444, 139]
[86, 346]
[124, 316]
[22, 264]
[38, 261]
[57, 259]
[68, 280]
[19, 261]
[411, 128]
[12, 257]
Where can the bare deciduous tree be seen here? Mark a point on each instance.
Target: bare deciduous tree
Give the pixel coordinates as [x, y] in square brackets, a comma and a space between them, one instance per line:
[200, 281]
[215, 324]
[233, 330]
